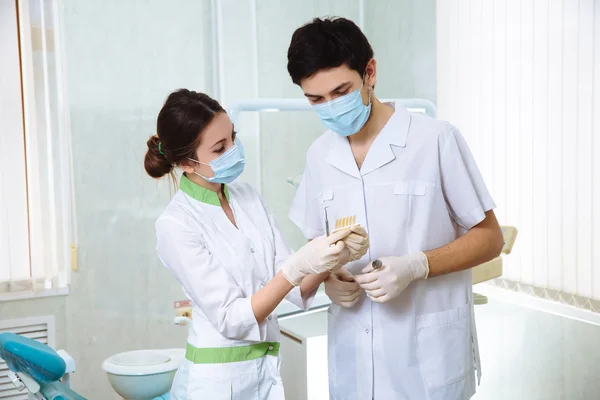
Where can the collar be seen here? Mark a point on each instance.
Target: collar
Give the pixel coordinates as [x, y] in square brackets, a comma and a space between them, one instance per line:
[396, 129]
[199, 193]
[393, 133]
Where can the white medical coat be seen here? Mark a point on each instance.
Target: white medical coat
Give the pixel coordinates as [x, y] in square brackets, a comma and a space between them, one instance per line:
[220, 267]
[418, 189]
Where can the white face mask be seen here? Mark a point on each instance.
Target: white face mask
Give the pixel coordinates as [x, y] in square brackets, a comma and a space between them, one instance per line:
[345, 115]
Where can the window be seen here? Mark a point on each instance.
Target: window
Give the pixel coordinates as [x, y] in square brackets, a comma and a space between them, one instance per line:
[36, 224]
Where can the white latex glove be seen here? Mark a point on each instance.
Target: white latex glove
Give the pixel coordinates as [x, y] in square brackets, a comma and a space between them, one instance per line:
[342, 289]
[357, 242]
[393, 277]
[317, 256]
[354, 247]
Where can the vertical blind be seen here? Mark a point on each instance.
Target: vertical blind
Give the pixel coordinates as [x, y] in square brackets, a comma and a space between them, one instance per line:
[521, 80]
[14, 240]
[35, 199]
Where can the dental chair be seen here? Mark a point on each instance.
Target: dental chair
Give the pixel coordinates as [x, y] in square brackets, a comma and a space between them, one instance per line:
[493, 269]
[37, 368]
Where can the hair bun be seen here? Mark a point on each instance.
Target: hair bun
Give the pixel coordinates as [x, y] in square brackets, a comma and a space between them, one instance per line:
[155, 163]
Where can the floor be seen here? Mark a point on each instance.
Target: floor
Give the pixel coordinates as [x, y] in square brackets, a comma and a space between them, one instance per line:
[530, 355]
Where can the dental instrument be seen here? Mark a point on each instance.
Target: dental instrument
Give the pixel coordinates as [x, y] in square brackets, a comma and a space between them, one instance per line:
[326, 222]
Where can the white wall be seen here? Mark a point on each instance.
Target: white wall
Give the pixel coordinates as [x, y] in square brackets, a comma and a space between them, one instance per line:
[123, 59]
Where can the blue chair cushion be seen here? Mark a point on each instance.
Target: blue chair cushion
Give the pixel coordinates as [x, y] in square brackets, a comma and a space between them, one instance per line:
[21, 354]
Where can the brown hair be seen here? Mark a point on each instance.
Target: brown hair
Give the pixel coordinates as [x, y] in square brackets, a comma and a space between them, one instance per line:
[180, 123]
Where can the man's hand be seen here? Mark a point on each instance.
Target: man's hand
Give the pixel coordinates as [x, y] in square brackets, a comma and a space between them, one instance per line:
[386, 283]
[341, 288]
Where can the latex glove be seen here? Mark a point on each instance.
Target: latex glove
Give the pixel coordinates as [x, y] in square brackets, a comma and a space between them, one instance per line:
[342, 289]
[317, 256]
[393, 277]
[344, 257]
[357, 242]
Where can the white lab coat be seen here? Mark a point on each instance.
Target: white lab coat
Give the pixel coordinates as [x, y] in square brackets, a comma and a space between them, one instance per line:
[418, 189]
[220, 267]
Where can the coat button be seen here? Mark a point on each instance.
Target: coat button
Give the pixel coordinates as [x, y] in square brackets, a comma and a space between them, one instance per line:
[366, 331]
[252, 250]
[270, 317]
[270, 347]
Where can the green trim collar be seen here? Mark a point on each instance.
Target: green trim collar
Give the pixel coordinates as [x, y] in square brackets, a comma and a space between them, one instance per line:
[199, 193]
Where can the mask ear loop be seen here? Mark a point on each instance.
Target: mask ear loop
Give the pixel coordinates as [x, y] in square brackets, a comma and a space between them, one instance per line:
[369, 90]
[201, 163]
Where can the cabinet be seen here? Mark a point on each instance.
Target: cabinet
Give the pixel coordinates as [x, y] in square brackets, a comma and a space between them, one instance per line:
[304, 356]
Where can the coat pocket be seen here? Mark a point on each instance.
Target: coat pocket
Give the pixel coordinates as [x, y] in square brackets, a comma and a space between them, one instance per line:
[228, 381]
[444, 346]
[210, 388]
[414, 188]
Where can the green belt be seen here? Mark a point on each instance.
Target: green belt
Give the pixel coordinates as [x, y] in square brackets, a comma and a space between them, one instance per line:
[221, 355]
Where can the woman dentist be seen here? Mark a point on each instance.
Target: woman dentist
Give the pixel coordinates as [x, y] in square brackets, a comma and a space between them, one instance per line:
[226, 250]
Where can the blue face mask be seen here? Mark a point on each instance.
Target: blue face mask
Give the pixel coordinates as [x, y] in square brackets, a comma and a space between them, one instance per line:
[228, 166]
[345, 115]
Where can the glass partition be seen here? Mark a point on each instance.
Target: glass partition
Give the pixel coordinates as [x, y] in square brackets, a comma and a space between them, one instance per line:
[276, 144]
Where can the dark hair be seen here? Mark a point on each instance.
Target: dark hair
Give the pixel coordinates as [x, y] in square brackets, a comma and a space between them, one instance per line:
[327, 43]
[182, 118]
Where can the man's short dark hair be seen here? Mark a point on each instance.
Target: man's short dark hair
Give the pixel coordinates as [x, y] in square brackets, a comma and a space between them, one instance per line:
[327, 43]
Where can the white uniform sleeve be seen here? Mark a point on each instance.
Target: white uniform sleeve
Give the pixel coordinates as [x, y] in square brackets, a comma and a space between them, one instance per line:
[282, 253]
[465, 191]
[306, 211]
[206, 281]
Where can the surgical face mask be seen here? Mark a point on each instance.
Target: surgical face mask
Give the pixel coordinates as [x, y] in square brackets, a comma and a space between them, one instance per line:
[228, 166]
[345, 115]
